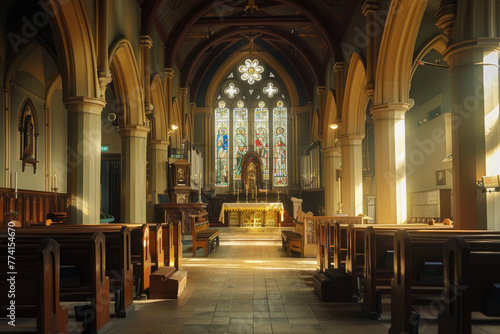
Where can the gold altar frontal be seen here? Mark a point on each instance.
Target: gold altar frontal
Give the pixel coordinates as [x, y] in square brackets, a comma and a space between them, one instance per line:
[252, 214]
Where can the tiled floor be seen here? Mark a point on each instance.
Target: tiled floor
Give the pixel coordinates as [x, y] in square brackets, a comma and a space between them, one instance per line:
[251, 286]
[248, 287]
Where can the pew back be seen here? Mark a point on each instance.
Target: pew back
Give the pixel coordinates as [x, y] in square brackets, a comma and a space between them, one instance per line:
[37, 284]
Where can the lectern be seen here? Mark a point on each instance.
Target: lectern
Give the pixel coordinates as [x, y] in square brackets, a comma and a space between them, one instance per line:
[180, 181]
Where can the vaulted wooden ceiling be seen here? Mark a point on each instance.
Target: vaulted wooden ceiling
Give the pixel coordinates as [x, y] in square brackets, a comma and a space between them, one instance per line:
[200, 33]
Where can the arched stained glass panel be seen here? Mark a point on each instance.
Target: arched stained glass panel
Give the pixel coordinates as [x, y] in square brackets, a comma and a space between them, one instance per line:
[240, 144]
[222, 145]
[261, 135]
[280, 145]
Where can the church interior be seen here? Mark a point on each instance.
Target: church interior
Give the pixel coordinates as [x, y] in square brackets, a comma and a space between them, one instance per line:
[250, 166]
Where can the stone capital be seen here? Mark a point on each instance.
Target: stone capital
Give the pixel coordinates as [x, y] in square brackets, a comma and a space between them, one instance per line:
[183, 91]
[158, 145]
[390, 111]
[133, 130]
[369, 6]
[351, 140]
[331, 152]
[339, 66]
[471, 52]
[83, 104]
[169, 73]
[146, 41]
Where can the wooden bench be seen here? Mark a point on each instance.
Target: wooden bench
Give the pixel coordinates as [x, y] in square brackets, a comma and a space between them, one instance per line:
[119, 267]
[416, 281]
[292, 241]
[82, 263]
[203, 237]
[471, 268]
[331, 232]
[139, 249]
[358, 246]
[36, 285]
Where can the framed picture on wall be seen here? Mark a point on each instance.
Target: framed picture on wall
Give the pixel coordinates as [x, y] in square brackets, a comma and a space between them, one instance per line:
[440, 177]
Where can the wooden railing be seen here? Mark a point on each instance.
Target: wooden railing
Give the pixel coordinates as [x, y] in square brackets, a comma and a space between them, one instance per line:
[33, 205]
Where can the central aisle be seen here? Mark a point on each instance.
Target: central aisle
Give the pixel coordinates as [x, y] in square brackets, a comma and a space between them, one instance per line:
[247, 286]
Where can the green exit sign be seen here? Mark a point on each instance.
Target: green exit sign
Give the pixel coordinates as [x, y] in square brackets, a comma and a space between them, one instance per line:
[104, 148]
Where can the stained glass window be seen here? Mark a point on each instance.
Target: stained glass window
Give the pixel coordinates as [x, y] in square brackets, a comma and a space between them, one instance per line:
[222, 145]
[261, 135]
[261, 129]
[251, 71]
[240, 144]
[270, 90]
[280, 145]
[231, 90]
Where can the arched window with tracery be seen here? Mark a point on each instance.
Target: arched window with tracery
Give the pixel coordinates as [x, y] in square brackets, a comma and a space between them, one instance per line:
[280, 145]
[251, 111]
[222, 144]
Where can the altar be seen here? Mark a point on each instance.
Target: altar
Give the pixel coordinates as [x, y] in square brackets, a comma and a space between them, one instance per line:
[252, 214]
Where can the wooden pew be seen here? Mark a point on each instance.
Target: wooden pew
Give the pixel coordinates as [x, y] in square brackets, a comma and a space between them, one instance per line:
[359, 244]
[379, 268]
[292, 241]
[331, 234]
[118, 263]
[156, 246]
[471, 267]
[36, 285]
[167, 243]
[139, 248]
[85, 254]
[415, 253]
[203, 237]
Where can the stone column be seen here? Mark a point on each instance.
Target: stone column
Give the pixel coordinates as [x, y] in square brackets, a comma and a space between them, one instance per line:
[338, 68]
[192, 108]
[169, 75]
[321, 91]
[133, 173]
[474, 69]
[103, 72]
[294, 167]
[182, 105]
[331, 161]
[208, 167]
[390, 162]
[352, 174]
[84, 159]
[373, 35]
[158, 160]
[146, 44]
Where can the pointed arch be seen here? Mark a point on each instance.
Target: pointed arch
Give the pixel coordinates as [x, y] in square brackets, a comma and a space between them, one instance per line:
[439, 43]
[128, 90]
[159, 129]
[237, 57]
[330, 134]
[355, 99]
[392, 80]
[75, 47]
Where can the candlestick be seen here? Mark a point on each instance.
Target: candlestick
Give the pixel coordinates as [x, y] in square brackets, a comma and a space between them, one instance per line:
[55, 181]
[16, 187]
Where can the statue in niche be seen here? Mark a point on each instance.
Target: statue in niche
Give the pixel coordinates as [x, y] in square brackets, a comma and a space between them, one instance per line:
[28, 137]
